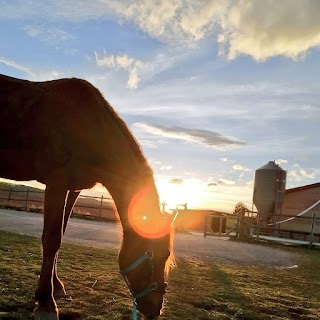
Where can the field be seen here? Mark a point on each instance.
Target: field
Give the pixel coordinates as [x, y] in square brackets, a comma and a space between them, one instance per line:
[197, 290]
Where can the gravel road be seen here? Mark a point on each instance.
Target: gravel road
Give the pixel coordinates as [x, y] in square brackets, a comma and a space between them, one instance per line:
[190, 246]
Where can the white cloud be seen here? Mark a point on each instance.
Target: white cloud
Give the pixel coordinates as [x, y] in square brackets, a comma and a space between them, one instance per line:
[226, 181]
[198, 136]
[121, 61]
[133, 79]
[154, 161]
[50, 35]
[260, 29]
[105, 60]
[302, 175]
[281, 161]
[263, 29]
[250, 183]
[125, 62]
[225, 159]
[148, 143]
[166, 168]
[238, 167]
[15, 65]
[200, 17]
[157, 18]
[309, 175]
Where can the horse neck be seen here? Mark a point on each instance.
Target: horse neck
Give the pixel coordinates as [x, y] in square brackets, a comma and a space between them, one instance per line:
[124, 189]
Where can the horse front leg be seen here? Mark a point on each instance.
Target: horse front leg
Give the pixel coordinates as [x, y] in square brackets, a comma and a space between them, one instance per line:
[55, 198]
[58, 286]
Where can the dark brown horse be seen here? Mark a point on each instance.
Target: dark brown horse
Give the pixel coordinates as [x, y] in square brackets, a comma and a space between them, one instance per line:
[64, 134]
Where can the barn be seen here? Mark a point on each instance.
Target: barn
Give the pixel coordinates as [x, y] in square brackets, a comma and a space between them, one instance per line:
[296, 201]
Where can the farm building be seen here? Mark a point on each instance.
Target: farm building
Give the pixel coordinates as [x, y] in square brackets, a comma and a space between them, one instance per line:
[296, 200]
[195, 219]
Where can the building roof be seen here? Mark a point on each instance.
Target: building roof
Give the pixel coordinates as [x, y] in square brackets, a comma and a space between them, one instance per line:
[271, 165]
[308, 186]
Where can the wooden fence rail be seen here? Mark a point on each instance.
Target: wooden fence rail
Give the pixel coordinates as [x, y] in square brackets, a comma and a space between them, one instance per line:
[101, 207]
[251, 225]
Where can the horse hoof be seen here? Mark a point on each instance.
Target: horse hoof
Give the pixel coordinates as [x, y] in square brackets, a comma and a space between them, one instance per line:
[42, 315]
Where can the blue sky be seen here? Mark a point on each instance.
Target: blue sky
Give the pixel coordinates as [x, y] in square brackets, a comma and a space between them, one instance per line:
[212, 90]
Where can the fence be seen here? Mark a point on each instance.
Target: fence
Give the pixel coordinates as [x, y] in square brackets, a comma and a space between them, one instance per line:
[250, 224]
[31, 200]
[310, 232]
[226, 225]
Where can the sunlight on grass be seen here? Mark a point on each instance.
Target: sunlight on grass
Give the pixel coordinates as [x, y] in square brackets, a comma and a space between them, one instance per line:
[197, 290]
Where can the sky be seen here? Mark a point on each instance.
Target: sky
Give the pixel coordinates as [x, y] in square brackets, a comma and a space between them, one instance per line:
[212, 90]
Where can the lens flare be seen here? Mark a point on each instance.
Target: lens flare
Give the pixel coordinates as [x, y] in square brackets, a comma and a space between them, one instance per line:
[145, 217]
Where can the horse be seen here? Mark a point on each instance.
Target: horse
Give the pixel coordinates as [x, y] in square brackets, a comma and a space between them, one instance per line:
[64, 134]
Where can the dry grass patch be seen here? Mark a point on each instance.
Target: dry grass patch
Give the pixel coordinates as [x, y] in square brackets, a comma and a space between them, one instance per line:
[198, 290]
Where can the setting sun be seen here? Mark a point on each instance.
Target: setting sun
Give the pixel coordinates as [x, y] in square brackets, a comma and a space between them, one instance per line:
[176, 192]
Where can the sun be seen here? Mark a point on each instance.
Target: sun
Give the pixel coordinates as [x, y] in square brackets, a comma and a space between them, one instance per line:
[189, 191]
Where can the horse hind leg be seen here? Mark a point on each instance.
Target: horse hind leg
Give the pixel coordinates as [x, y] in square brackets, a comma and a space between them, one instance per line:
[54, 205]
[58, 286]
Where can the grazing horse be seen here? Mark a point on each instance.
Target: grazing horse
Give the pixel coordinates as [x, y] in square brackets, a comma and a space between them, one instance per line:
[64, 134]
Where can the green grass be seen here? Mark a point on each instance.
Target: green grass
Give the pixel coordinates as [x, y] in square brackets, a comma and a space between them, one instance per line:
[197, 290]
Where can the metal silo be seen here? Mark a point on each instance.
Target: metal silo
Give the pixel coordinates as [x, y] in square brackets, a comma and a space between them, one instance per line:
[269, 189]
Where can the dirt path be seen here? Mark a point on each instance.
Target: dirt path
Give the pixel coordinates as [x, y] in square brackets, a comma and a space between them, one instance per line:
[190, 246]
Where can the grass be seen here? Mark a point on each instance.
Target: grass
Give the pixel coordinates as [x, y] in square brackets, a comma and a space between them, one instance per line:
[197, 290]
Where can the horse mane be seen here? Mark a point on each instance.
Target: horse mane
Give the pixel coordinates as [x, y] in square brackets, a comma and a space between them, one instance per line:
[125, 130]
[136, 148]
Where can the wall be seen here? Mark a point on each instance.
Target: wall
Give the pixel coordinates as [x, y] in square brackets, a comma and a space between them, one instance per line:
[195, 220]
[297, 201]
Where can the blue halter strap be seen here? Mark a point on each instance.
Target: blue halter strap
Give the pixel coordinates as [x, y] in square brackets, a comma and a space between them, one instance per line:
[148, 256]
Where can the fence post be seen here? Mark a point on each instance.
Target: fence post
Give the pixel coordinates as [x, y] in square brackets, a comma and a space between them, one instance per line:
[9, 198]
[27, 197]
[258, 226]
[242, 223]
[237, 226]
[205, 226]
[312, 230]
[220, 226]
[101, 204]
[163, 204]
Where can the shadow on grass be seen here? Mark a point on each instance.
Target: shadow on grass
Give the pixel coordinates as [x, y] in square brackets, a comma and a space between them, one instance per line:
[211, 293]
[225, 297]
[80, 268]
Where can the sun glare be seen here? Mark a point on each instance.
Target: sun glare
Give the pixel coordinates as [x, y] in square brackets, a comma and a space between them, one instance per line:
[191, 191]
[144, 220]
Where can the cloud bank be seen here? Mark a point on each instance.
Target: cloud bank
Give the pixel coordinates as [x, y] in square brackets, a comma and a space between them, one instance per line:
[259, 29]
[299, 174]
[197, 136]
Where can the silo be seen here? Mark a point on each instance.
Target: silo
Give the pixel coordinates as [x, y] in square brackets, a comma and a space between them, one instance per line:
[269, 189]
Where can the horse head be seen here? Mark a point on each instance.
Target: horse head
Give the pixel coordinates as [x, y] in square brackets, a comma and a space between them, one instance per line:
[146, 255]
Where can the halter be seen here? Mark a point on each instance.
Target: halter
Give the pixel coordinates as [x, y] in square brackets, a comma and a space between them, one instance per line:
[154, 286]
